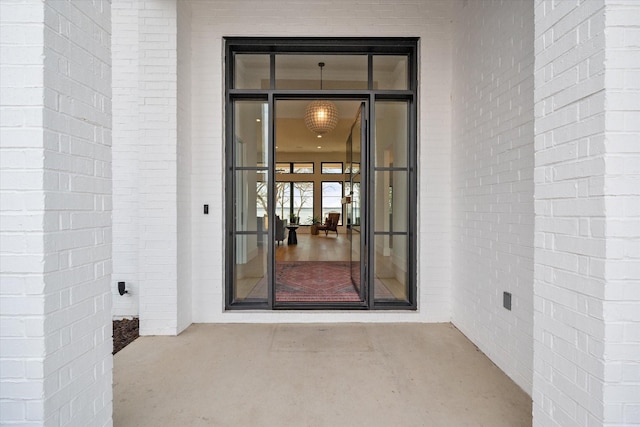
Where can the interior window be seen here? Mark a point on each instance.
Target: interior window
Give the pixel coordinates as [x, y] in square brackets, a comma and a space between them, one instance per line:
[302, 167]
[332, 199]
[332, 167]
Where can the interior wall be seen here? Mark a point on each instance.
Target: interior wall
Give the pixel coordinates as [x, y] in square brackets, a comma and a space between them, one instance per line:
[431, 21]
[492, 179]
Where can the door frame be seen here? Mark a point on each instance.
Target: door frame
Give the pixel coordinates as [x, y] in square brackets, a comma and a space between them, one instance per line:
[273, 46]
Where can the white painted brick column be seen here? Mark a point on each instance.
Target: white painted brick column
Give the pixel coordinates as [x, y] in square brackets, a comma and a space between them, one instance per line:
[184, 165]
[152, 177]
[622, 205]
[157, 148]
[55, 300]
[586, 340]
[22, 209]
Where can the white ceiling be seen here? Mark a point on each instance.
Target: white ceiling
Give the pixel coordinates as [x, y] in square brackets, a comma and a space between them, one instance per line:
[293, 136]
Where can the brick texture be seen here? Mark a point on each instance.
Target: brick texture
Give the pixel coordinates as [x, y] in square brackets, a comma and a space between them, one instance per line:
[152, 178]
[569, 250]
[621, 308]
[56, 309]
[586, 239]
[126, 175]
[492, 180]
[157, 145]
[22, 206]
[184, 162]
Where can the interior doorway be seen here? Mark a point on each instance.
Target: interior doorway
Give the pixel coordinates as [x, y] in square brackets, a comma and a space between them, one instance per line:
[321, 217]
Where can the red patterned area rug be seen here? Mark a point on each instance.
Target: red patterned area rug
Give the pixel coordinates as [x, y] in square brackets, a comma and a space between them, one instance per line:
[314, 281]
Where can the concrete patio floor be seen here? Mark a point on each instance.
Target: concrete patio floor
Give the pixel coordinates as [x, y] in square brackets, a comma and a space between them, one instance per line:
[313, 375]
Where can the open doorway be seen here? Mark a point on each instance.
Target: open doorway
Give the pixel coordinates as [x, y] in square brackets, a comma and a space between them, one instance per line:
[318, 259]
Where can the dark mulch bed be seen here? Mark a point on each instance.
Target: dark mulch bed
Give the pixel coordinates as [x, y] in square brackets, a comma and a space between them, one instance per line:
[124, 332]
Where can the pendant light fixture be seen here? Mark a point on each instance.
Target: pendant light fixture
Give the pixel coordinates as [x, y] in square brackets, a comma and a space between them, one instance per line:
[321, 116]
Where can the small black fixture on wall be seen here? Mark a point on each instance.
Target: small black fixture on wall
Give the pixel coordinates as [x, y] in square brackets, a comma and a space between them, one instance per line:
[506, 300]
[122, 288]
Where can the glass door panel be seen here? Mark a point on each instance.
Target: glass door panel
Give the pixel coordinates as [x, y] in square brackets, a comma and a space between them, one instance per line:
[391, 197]
[251, 134]
[251, 269]
[392, 137]
[250, 202]
[391, 209]
[390, 260]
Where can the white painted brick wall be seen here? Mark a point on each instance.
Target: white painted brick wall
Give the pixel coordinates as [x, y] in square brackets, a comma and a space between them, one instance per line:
[22, 303]
[492, 179]
[622, 204]
[77, 223]
[152, 194]
[126, 206]
[429, 20]
[56, 213]
[586, 344]
[184, 166]
[157, 161]
[569, 284]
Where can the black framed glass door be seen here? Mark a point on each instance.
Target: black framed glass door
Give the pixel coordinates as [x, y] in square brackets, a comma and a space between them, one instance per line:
[375, 233]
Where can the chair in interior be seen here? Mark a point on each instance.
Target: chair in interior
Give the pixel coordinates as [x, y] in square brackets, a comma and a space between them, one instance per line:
[330, 223]
[280, 226]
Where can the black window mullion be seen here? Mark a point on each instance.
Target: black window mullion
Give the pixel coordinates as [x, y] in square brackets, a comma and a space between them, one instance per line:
[271, 174]
[370, 72]
[272, 71]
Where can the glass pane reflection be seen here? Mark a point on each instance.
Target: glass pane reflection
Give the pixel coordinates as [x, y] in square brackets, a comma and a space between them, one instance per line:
[339, 72]
[251, 269]
[391, 201]
[251, 134]
[251, 201]
[391, 134]
[251, 71]
[390, 267]
[390, 72]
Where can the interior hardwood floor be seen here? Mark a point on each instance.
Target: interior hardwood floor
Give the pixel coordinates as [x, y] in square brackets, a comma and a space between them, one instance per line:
[320, 247]
[317, 248]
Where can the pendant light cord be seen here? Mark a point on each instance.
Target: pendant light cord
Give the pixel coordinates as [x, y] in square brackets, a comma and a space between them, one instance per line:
[321, 65]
